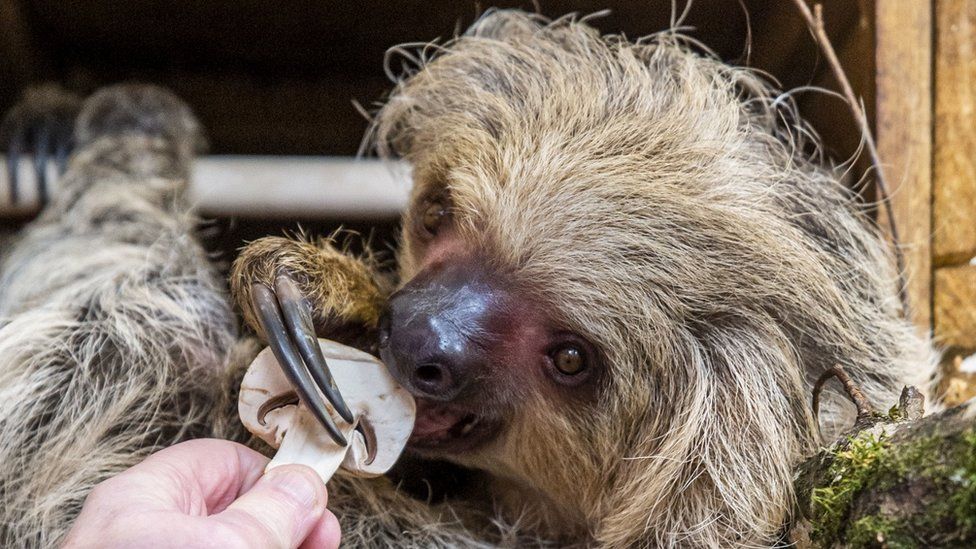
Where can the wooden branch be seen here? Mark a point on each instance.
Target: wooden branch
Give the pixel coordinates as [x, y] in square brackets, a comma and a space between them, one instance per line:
[814, 20]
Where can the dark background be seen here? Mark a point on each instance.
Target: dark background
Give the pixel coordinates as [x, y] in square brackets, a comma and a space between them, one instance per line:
[280, 77]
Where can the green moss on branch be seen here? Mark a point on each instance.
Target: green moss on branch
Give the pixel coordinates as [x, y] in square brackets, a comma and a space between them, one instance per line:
[895, 485]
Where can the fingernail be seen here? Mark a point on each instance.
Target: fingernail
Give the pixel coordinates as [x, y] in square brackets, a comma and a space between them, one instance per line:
[297, 484]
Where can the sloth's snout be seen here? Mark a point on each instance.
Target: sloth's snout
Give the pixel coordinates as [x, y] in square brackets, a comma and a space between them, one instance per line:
[436, 336]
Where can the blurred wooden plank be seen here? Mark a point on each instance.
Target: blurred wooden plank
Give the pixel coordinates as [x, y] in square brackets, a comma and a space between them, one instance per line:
[955, 306]
[954, 171]
[903, 57]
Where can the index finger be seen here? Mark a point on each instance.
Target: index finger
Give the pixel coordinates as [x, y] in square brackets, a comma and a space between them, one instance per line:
[197, 477]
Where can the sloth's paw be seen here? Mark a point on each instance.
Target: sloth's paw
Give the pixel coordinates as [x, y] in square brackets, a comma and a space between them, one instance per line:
[341, 291]
[139, 109]
[41, 126]
[291, 293]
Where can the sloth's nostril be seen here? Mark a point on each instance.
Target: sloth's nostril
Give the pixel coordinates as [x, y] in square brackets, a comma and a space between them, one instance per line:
[430, 374]
[435, 380]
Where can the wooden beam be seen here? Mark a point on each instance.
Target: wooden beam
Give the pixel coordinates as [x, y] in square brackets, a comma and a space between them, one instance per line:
[286, 187]
[954, 183]
[903, 57]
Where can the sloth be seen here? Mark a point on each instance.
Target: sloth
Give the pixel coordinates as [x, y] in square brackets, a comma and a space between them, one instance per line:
[621, 270]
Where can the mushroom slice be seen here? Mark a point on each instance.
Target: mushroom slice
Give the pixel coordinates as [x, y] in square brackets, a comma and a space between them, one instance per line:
[383, 414]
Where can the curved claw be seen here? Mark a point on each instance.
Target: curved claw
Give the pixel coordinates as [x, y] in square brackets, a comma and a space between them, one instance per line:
[298, 319]
[14, 147]
[61, 152]
[269, 315]
[42, 140]
[40, 125]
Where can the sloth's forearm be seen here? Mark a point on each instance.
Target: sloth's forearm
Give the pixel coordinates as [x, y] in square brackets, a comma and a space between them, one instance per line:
[115, 331]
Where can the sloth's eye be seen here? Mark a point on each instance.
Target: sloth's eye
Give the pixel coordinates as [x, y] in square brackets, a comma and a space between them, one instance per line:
[433, 216]
[569, 359]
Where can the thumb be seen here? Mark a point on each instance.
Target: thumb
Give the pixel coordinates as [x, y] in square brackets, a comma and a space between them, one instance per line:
[280, 510]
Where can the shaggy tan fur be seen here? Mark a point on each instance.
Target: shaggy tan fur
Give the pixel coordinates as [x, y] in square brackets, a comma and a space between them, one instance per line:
[113, 322]
[348, 291]
[665, 206]
[117, 337]
[656, 198]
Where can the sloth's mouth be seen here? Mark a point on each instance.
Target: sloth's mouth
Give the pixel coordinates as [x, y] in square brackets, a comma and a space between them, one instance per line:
[445, 428]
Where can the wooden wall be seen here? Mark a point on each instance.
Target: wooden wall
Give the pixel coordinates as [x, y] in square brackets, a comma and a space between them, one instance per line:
[903, 122]
[926, 131]
[954, 185]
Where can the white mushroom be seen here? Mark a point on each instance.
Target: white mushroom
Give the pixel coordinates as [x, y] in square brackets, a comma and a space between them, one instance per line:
[383, 410]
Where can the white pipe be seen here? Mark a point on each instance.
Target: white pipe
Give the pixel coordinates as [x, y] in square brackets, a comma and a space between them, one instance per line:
[265, 186]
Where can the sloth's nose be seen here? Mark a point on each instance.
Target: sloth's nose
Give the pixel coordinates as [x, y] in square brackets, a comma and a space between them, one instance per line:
[434, 336]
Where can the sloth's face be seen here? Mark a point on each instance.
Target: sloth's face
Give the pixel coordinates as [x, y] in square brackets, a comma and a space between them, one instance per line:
[477, 342]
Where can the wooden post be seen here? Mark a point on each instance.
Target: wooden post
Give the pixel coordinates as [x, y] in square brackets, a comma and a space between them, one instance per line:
[903, 56]
[954, 197]
[954, 188]
[954, 192]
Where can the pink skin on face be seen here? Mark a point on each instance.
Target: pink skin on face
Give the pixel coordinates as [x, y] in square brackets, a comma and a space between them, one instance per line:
[468, 344]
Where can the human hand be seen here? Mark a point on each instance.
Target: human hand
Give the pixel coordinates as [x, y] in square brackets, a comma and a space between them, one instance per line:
[207, 493]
